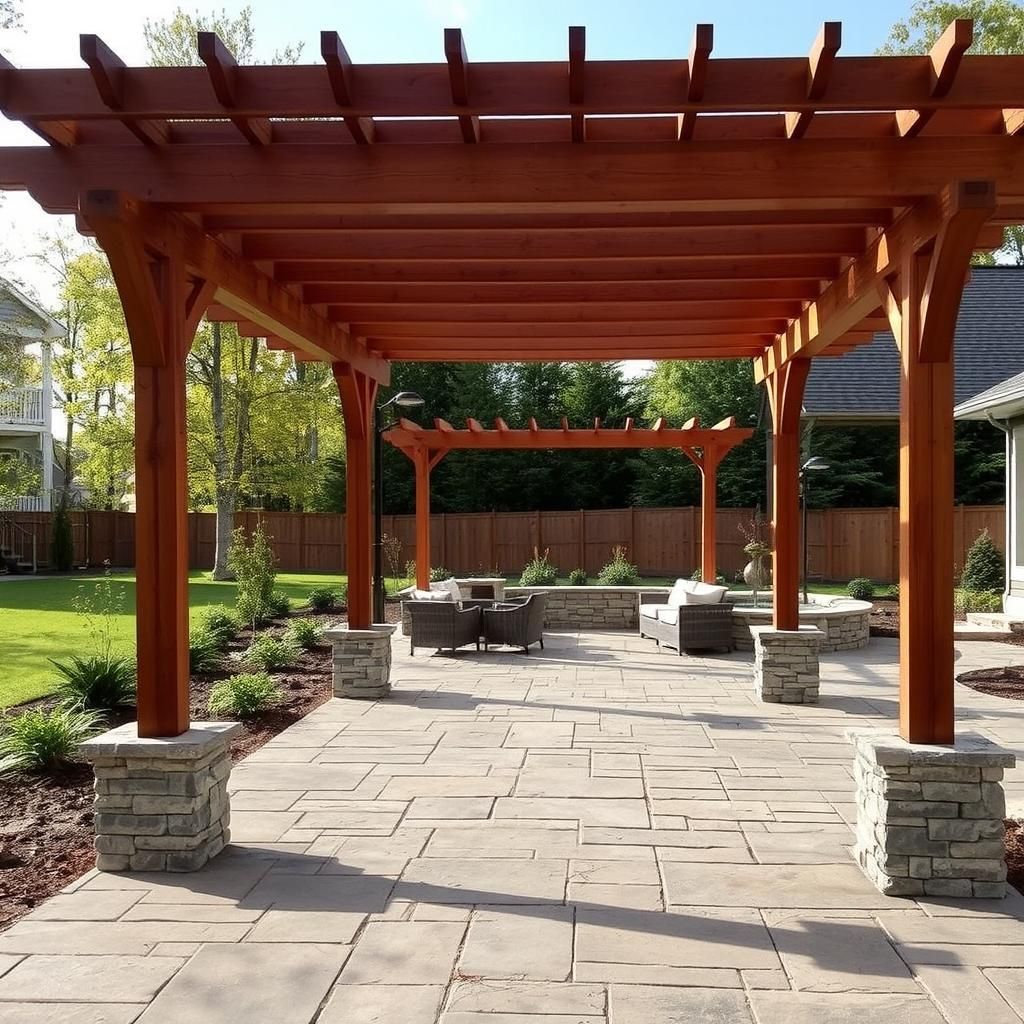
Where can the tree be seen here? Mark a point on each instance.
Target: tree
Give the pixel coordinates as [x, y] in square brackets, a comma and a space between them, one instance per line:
[984, 567]
[998, 29]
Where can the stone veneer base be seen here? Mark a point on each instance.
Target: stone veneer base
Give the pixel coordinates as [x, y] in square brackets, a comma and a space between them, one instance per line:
[930, 818]
[362, 661]
[786, 664]
[161, 803]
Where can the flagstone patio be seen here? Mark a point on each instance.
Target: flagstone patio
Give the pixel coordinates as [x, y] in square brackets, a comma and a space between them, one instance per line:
[600, 832]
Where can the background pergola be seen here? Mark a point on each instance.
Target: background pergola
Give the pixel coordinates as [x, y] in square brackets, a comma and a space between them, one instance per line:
[575, 209]
[704, 447]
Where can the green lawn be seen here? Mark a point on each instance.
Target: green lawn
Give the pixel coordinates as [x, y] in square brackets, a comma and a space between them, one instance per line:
[40, 621]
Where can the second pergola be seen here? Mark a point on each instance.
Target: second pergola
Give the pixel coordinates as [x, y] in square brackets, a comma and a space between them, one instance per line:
[705, 447]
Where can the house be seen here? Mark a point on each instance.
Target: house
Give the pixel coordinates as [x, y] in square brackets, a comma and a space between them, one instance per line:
[1003, 406]
[863, 386]
[26, 411]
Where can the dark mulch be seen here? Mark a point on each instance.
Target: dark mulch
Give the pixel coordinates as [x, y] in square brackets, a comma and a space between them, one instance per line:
[1005, 681]
[884, 619]
[1015, 853]
[46, 821]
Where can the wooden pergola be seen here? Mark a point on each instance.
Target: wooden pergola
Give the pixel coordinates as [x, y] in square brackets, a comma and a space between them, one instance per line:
[704, 447]
[777, 209]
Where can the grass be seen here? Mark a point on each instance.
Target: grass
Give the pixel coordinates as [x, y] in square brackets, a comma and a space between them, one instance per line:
[40, 622]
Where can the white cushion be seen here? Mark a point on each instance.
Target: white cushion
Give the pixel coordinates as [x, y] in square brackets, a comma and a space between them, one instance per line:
[705, 593]
[431, 595]
[448, 586]
[668, 615]
[680, 589]
[650, 611]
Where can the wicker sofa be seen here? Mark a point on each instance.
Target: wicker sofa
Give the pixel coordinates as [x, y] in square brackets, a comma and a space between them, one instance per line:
[442, 625]
[684, 626]
[516, 624]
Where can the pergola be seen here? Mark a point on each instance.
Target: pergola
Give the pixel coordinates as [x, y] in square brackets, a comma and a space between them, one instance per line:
[777, 209]
[704, 447]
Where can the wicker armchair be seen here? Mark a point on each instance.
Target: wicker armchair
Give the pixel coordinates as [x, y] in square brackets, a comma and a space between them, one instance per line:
[442, 625]
[697, 626]
[517, 624]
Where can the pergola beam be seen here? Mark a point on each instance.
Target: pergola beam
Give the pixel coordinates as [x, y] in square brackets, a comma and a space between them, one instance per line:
[945, 59]
[697, 75]
[339, 74]
[458, 75]
[224, 72]
[819, 69]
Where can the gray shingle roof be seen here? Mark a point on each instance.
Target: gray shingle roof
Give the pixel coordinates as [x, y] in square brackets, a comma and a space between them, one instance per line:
[989, 348]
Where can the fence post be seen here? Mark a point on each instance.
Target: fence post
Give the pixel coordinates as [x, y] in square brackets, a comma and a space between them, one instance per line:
[581, 543]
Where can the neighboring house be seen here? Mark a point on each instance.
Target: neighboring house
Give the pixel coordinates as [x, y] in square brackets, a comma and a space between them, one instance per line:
[26, 413]
[863, 386]
[1003, 406]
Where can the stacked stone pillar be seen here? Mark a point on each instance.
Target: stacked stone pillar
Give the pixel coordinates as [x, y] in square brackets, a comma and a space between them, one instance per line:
[786, 664]
[362, 661]
[930, 818]
[161, 803]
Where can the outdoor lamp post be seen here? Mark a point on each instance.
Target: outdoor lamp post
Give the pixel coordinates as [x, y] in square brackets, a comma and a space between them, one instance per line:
[401, 400]
[814, 464]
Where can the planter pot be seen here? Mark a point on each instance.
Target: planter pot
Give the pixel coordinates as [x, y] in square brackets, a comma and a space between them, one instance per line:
[757, 575]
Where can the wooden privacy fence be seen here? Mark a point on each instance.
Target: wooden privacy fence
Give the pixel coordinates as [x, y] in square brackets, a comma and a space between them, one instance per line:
[843, 542]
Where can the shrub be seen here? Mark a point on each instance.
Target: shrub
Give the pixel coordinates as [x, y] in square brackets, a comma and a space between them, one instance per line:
[538, 572]
[984, 567]
[280, 603]
[439, 574]
[698, 577]
[304, 633]
[893, 591]
[220, 623]
[322, 599]
[618, 572]
[96, 682]
[270, 653]
[244, 696]
[252, 563]
[62, 545]
[39, 740]
[204, 649]
[965, 601]
[860, 589]
[578, 578]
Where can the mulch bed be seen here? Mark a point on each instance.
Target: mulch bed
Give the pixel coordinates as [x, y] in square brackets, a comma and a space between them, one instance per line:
[884, 619]
[1005, 681]
[1015, 853]
[46, 820]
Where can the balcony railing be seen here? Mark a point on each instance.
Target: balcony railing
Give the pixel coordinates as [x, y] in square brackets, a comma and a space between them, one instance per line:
[22, 405]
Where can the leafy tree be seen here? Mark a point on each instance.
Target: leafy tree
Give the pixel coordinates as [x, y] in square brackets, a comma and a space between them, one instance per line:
[998, 28]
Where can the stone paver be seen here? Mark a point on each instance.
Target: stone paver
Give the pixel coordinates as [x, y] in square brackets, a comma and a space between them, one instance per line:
[601, 833]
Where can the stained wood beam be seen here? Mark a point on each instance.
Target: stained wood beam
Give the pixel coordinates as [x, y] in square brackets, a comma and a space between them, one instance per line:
[697, 73]
[57, 133]
[855, 294]
[222, 66]
[458, 73]
[108, 72]
[819, 69]
[577, 80]
[944, 58]
[339, 73]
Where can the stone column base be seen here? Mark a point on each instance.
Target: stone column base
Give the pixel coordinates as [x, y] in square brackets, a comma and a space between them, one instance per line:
[786, 664]
[161, 803]
[362, 661]
[930, 818]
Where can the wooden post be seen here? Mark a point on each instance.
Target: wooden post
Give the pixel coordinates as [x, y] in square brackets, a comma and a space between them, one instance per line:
[708, 513]
[421, 460]
[358, 395]
[785, 393]
[162, 309]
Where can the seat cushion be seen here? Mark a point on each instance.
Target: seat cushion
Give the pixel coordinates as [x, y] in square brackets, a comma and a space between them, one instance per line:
[677, 595]
[431, 595]
[448, 586]
[705, 593]
[650, 611]
[668, 615]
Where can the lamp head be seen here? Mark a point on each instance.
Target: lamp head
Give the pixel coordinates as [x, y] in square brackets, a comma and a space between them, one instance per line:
[408, 400]
[814, 463]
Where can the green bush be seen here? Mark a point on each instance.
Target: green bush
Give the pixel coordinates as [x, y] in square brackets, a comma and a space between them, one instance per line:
[270, 653]
[440, 574]
[244, 696]
[204, 649]
[322, 599]
[305, 633]
[39, 740]
[619, 572]
[985, 567]
[860, 589]
[965, 601]
[280, 604]
[219, 622]
[252, 562]
[62, 544]
[96, 682]
[538, 572]
[578, 578]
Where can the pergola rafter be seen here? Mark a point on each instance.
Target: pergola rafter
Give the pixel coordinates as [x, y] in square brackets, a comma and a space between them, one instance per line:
[705, 447]
[779, 209]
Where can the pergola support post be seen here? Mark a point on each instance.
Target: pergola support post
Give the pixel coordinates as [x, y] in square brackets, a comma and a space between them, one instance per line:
[708, 514]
